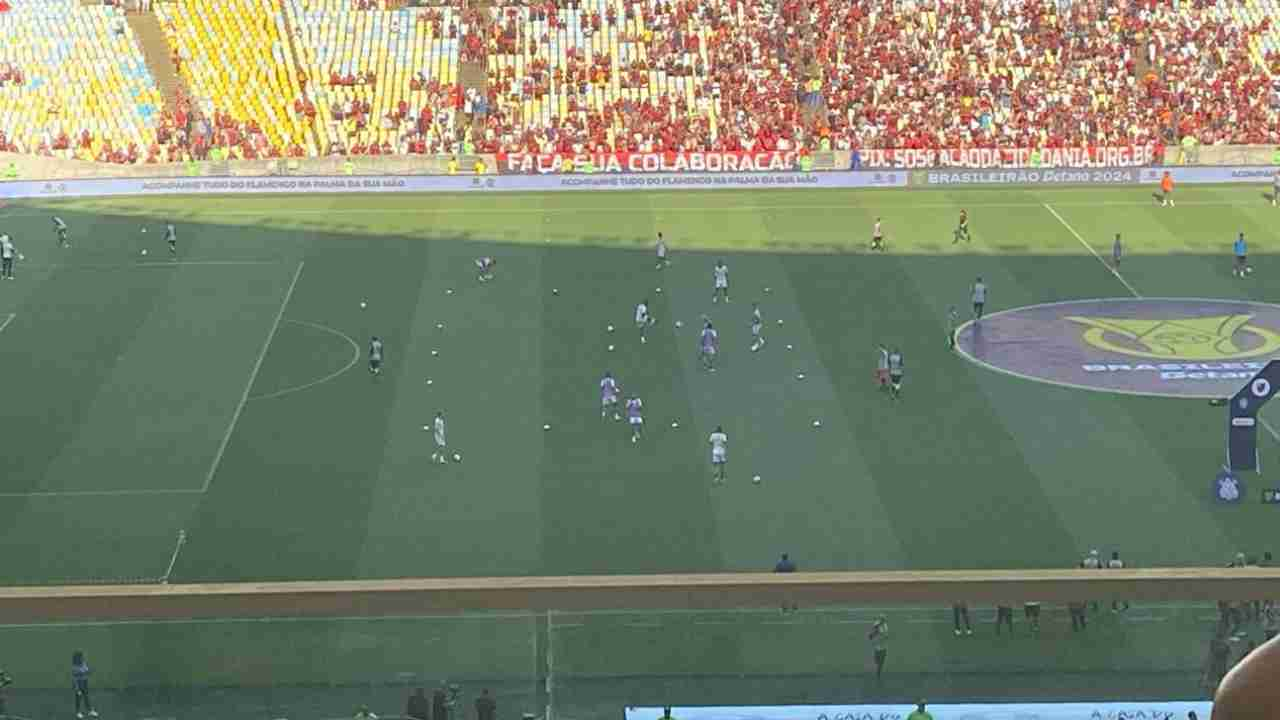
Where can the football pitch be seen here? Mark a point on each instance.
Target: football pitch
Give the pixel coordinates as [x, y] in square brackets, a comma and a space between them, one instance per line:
[224, 395]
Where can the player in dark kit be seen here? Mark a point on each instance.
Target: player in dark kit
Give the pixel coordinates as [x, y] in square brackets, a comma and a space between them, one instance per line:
[953, 319]
[1117, 251]
[60, 228]
[962, 230]
[171, 237]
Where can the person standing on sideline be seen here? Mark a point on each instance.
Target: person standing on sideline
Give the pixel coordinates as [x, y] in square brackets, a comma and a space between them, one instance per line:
[960, 615]
[80, 682]
[1092, 562]
[1079, 619]
[1117, 250]
[1031, 610]
[486, 706]
[786, 565]
[920, 713]
[1115, 563]
[1004, 616]
[419, 708]
[879, 637]
[1166, 189]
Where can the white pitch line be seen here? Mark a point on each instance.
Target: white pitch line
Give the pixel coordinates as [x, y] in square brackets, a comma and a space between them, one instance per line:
[100, 493]
[1089, 247]
[6, 322]
[173, 559]
[235, 417]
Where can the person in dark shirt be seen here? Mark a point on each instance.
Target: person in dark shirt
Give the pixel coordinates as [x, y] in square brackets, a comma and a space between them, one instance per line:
[785, 565]
[418, 708]
[439, 704]
[486, 706]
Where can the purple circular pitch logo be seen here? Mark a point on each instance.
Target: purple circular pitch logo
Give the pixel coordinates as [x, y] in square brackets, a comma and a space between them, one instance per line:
[1180, 347]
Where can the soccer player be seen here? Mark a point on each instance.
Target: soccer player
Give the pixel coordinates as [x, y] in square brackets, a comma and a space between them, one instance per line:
[7, 255]
[962, 229]
[485, 266]
[979, 298]
[1117, 250]
[1092, 562]
[1115, 563]
[1166, 189]
[960, 616]
[1241, 251]
[643, 319]
[877, 237]
[757, 328]
[879, 637]
[718, 441]
[375, 355]
[635, 418]
[1004, 617]
[661, 248]
[708, 343]
[61, 229]
[722, 282]
[1031, 610]
[882, 367]
[80, 682]
[953, 325]
[171, 237]
[441, 455]
[896, 369]
[609, 396]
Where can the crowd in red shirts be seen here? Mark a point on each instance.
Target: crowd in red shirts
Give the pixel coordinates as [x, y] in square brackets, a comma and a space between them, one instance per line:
[11, 74]
[878, 74]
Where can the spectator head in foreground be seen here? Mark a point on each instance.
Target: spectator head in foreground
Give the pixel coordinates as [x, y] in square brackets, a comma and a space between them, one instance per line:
[1250, 691]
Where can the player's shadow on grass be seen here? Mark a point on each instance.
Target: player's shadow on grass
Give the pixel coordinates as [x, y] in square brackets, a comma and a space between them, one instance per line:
[1269, 197]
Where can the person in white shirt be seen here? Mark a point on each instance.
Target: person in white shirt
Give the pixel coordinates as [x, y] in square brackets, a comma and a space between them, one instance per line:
[719, 454]
[643, 319]
[441, 455]
[877, 237]
[979, 298]
[663, 262]
[61, 229]
[721, 274]
[7, 255]
[1115, 563]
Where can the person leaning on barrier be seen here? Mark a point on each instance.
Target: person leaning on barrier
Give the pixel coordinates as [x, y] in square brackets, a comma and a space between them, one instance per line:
[418, 708]
[5, 681]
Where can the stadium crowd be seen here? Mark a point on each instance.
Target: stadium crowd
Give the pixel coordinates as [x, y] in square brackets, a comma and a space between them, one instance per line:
[667, 75]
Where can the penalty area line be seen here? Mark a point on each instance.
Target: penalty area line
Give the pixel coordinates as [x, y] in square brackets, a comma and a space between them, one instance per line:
[8, 319]
[253, 376]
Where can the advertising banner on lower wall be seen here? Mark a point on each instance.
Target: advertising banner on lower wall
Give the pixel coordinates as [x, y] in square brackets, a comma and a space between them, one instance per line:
[995, 711]
[443, 184]
[1105, 176]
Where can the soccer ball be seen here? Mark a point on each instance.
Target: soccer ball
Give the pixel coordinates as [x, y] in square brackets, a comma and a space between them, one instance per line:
[21, 256]
[658, 290]
[448, 291]
[555, 291]
[767, 291]
[457, 457]
[144, 228]
[675, 424]
[679, 324]
[779, 322]
[435, 353]
[439, 326]
[755, 479]
[789, 347]
[799, 376]
[546, 427]
[363, 305]
[610, 348]
[817, 423]
[144, 252]
[610, 328]
[429, 381]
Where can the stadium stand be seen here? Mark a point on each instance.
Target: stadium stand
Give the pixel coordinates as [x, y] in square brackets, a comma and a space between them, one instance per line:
[73, 82]
[381, 80]
[316, 77]
[236, 58]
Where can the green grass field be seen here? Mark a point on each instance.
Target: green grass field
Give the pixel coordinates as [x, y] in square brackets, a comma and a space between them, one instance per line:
[225, 395]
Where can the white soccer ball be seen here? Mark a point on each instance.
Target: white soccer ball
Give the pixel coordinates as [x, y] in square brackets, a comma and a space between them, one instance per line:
[457, 457]
[435, 353]
[439, 326]
[755, 479]
[799, 376]
[363, 305]
[429, 381]
[675, 424]
[610, 328]
[779, 322]
[767, 291]
[144, 228]
[755, 348]
[426, 427]
[448, 291]
[546, 427]
[789, 346]
[679, 324]
[817, 423]
[610, 348]
[658, 290]
[21, 256]
[555, 291]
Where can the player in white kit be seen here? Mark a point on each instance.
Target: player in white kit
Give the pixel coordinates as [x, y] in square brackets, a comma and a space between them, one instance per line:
[635, 418]
[721, 274]
[643, 319]
[441, 455]
[661, 248]
[757, 328]
[61, 229]
[485, 266]
[719, 455]
[609, 396]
